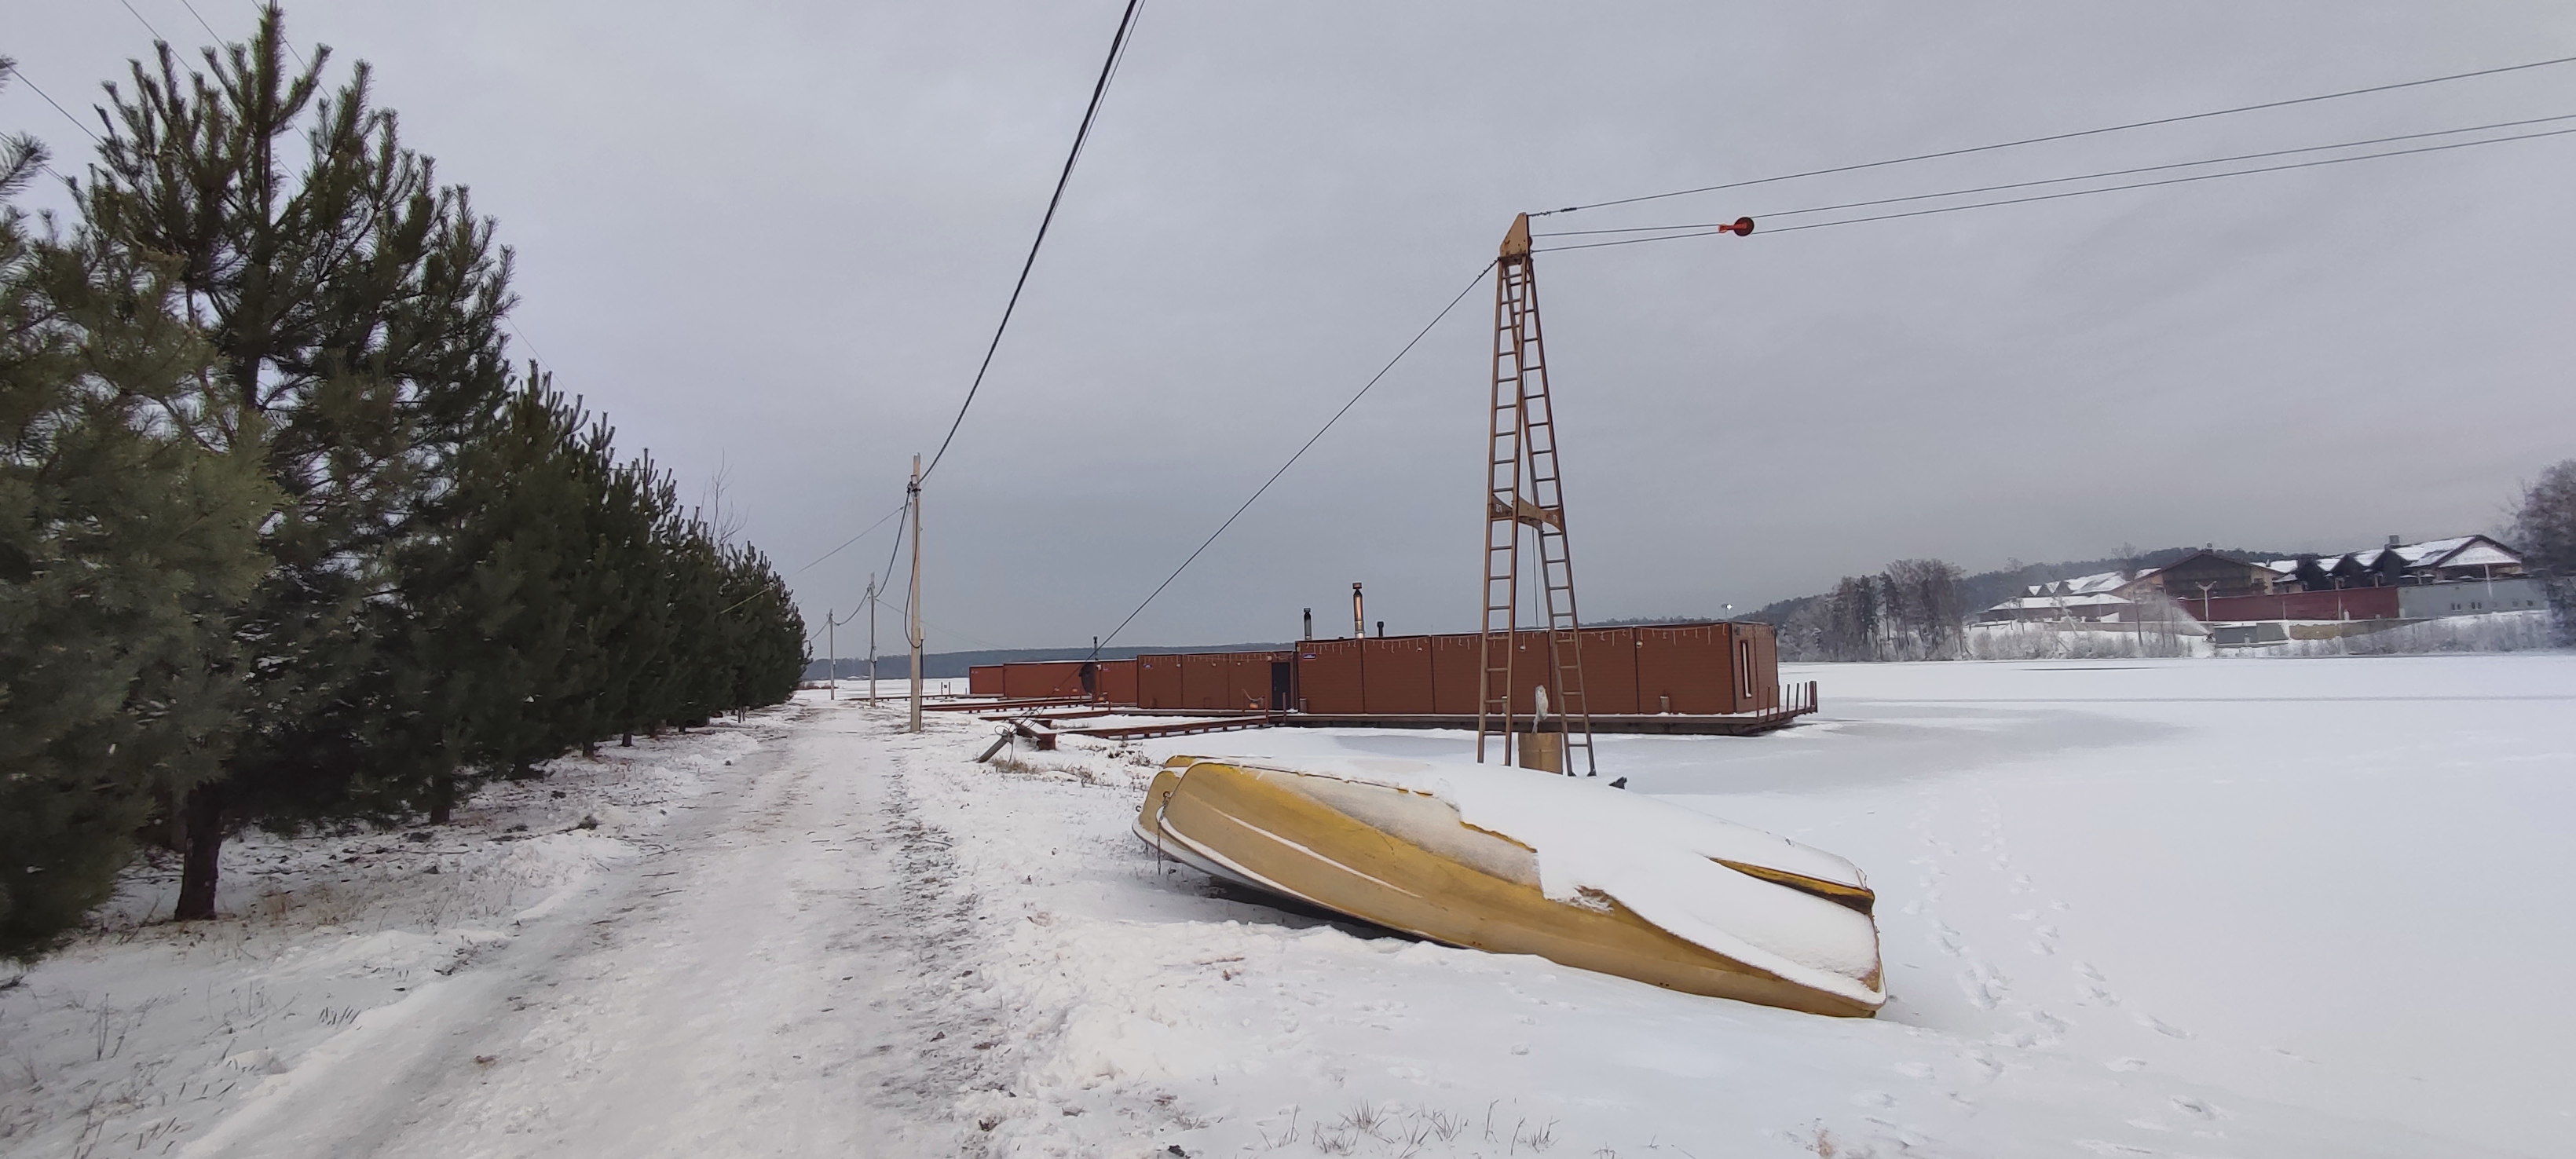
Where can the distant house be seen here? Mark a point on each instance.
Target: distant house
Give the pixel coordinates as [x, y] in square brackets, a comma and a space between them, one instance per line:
[2465, 557]
[2464, 575]
[2114, 595]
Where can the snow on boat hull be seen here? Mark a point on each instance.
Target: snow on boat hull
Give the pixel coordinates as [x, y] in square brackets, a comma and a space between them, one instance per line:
[1387, 844]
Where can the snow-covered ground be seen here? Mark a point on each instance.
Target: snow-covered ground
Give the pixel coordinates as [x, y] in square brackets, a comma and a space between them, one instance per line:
[2278, 908]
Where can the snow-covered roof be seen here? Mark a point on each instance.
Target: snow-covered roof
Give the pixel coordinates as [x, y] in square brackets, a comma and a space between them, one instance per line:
[2023, 603]
[2457, 551]
[2100, 581]
[2481, 554]
[2431, 551]
[2095, 600]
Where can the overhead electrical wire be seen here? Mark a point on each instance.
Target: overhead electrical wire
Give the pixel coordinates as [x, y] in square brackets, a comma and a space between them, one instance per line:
[1308, 445]
[881, 520]
[1081, 135]
[147, 25]
[15, 71]
[1712, 225]
[2173, 120]
[2067, 193]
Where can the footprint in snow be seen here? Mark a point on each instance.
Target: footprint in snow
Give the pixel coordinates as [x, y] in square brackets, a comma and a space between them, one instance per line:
[2126, 1065]
[1985, 988]
[2191, 1106]
[2162, 1027]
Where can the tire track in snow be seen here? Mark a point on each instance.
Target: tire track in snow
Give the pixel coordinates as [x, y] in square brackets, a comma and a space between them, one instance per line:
[760, 986]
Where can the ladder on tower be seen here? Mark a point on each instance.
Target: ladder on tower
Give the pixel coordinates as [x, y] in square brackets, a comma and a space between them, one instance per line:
[1524, 488]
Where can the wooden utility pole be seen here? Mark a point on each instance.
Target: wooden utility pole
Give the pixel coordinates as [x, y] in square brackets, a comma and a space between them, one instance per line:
[1523, 489]
[872, 639]
[831, 657]
[913, 492]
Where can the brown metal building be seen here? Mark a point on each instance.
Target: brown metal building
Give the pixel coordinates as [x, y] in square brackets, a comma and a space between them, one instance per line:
[1687, 669]
[1695, 669]
[1213, 681]
[1113, 680]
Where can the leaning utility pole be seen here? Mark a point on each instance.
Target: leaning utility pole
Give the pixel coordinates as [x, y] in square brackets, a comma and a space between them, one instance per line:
[912, 493]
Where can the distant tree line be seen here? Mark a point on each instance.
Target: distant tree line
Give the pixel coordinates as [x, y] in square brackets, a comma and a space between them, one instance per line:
[1911, 611]
[1916, 609]
[284, 536]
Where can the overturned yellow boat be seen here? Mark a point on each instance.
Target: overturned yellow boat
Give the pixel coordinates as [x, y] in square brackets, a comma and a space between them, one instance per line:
[1523, 862]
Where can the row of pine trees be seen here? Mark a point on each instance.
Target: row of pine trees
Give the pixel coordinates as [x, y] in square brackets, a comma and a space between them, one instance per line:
[285, 536]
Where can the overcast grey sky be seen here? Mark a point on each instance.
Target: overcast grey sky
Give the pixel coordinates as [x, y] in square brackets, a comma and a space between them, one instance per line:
[775, 238]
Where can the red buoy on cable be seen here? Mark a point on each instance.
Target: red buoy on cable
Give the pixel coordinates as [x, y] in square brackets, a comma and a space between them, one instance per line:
[1743, 227]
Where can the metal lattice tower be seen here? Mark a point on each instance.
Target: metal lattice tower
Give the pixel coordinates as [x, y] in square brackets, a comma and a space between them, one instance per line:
[1524, 489]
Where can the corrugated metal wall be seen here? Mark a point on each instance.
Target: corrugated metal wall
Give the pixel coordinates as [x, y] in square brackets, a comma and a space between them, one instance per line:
[1395, 674]
[1118, 681]
[1158, 681]
[1689, 669]
[1329, 676]
[1682, 668]
[1610, 671]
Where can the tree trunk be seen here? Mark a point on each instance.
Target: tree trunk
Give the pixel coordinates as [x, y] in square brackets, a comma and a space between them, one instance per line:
[626, 740]
[172, 832]
[442, 799]
[205, 823]
[590, 749]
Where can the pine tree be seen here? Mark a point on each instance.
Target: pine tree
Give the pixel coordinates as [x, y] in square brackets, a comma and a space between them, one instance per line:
[124, 541]
[634, 595]
[772, 653]
[354, 306]
[503, 602]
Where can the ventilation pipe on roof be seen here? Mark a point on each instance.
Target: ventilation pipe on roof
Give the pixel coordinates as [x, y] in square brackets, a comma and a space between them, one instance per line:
[1310, 625]
[1359, 613]
[2392, 541]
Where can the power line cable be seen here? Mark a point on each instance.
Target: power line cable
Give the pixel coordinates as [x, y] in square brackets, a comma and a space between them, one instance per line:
[1712, 225]
[201, 20]
[1099, 90]
[2081, 192]
[147, 25]
[15, 71]
[1292, 459]
[853, 539]
[2070, 136]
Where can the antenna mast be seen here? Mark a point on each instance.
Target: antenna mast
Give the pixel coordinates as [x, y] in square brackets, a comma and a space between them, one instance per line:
[1524, 489]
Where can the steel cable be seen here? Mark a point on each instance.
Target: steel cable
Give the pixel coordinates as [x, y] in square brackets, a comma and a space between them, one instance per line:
[1309, 444]
[2071, 192]
[1099, 91]
[2174, 120]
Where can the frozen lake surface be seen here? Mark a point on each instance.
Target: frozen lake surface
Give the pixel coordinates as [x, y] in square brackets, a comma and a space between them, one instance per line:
[2208, 908]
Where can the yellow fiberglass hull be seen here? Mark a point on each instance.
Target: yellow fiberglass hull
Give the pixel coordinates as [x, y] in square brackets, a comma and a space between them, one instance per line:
[1392, 849]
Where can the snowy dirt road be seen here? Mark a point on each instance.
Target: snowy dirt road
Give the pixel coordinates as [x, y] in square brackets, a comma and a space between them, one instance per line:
[744, 961]
[750, 986]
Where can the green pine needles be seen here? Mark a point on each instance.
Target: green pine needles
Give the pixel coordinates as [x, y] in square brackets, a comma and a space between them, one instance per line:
[284, 535]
